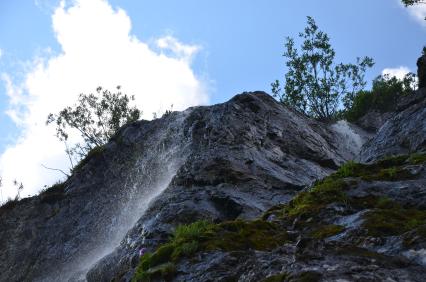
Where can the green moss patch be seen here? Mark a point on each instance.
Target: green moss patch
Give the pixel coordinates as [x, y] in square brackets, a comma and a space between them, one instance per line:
[243, 235]
[310, 202]
[326, 231]
[204, 236]
[418, 158]
[393, 221]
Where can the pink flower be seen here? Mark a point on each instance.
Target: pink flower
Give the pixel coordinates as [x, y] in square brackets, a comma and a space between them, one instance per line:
[142, 251]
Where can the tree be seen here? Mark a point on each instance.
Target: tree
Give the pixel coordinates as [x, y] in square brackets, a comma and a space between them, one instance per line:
[314, 84]
[96, 118]
[383, 97]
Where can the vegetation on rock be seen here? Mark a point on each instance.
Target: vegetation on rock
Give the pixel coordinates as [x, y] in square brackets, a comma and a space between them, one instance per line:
[307, 213]
[96, 118]
[315, 84]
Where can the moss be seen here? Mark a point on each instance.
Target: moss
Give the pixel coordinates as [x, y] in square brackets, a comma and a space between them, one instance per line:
[243, 235]
[350, 169]
[356, 251]
[391, 161]
[201, 235]
[393, 220]
[165, 271]
[418, 158]
[326, 231]
[389, 174]
[184, 242]
[96, 151]
[324, 193]
[387, 169]
[281, 277]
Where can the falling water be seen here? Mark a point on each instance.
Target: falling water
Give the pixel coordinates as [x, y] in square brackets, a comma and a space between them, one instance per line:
[151, 175]
[350, 140]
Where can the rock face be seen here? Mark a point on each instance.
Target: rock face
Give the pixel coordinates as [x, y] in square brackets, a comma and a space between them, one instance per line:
[404, 133]
[244, 178]
[421, 71]
[228, 161]
[373, 120]
[360, 224]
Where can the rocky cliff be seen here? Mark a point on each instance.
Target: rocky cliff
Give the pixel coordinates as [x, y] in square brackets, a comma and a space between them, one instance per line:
[240, 182]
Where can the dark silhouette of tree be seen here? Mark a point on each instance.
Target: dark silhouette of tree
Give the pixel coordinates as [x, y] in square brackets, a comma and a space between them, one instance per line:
[96, 118]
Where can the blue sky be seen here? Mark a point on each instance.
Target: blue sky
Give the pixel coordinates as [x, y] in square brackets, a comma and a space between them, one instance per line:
[220, 48]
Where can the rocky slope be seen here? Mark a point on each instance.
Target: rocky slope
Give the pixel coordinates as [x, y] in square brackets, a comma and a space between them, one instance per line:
[230, 161]
[232, 192]
[363, 223]
[366, 222]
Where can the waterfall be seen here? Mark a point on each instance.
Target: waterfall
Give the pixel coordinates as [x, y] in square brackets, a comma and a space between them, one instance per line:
[351, 138]
[163, 154]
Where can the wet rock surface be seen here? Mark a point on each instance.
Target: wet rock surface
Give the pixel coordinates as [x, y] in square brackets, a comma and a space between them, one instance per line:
[247, 155]
[359, 224]
[228, 161]
[245, 176]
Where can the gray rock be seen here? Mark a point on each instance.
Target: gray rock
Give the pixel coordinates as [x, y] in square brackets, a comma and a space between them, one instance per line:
[404, 133]
[373, 120]
[421, 71]
[233, 160]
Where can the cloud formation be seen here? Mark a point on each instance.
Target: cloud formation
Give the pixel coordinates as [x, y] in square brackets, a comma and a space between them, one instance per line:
[418, 12]
[398, 72]
[98, 49]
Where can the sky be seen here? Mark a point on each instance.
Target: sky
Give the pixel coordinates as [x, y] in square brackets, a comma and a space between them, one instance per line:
[166, 52]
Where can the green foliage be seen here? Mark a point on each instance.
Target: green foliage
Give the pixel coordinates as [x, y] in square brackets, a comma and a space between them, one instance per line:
[191, 231]
[184, 242]
[349, 169]
[309, 202]
[383, 96]
[243, 235]
[314, 84]
[263, 235]
[96, 118]
[326, 231]
[393, 220]
[201, 235]
[417, 158]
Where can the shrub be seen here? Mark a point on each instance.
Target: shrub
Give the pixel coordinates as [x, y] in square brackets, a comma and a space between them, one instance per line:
[96, 118]
[383, 97]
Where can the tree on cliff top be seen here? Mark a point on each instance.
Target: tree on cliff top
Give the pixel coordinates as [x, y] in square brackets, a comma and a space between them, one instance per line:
[96, 118]
[314, 84]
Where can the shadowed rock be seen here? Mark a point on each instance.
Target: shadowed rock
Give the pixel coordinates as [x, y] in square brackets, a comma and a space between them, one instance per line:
[227, 161]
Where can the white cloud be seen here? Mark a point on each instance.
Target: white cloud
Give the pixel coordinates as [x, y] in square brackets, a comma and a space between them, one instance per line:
[97, 50]
[398, 72]
[418, 12]
[1, 53]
